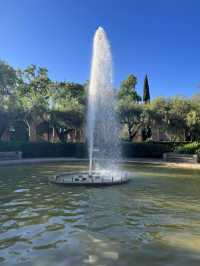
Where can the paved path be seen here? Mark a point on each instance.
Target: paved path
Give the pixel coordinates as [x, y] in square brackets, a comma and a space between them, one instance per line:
[69, 159]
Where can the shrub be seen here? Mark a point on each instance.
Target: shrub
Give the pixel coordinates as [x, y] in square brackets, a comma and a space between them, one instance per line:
[45, 149]
[190, 148]
[198, 156]
[146, 149]
[79, 150]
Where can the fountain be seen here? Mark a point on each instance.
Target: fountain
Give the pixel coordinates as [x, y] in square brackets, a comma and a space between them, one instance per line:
[102, 124]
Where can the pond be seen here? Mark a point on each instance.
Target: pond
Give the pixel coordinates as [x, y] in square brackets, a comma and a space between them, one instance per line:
[153, 220]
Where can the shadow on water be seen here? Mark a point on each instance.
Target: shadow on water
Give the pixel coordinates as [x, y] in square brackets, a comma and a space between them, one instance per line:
[153, 220]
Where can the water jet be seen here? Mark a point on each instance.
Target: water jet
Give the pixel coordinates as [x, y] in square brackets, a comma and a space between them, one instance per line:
[102, 123]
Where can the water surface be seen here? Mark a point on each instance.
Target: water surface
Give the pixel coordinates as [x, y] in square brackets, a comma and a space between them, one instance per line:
[153, 220]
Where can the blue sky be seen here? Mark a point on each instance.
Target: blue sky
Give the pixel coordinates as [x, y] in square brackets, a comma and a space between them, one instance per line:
[157, 37]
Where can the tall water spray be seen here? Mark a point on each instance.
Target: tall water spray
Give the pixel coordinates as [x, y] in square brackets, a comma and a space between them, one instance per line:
[102, 124]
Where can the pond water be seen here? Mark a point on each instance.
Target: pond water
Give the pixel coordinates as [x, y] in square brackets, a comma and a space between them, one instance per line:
[153, 220]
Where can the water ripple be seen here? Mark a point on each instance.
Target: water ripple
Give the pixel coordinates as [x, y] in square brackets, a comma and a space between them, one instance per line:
[55, 225]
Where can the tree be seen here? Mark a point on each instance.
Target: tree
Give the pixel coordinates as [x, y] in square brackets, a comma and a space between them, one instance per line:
[130, 114]
[193, 123]
[7, 80]
[64, 122]
[67, 108]
[179, 107]
[62, 93]
[156, 114]
[33, 92]
[193, 118]
[4, 122]
[127, 89]
[146, 92]
[7, 84]
[169, 115]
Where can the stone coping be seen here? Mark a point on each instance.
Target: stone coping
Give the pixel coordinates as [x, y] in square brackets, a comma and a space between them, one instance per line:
[69, 159]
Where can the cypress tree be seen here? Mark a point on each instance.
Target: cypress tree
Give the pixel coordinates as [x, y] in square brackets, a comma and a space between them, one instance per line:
[146, 93]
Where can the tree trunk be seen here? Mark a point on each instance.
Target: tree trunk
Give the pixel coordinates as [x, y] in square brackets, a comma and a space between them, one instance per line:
[3, 128]
[53, 135]
[130, 134]
[2, 132]
[78, 135]
[157, 134]
[60, 135]
[32, 133]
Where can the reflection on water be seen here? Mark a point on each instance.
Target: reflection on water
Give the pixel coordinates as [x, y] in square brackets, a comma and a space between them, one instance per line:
[153, 220]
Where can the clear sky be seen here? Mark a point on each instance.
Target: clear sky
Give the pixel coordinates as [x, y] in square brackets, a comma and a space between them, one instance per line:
[157, 37]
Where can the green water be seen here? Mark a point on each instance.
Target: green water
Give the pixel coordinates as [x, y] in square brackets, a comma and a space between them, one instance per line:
[153, 220]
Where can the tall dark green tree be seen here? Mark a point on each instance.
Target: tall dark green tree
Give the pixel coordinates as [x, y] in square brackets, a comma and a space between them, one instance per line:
[146, 92]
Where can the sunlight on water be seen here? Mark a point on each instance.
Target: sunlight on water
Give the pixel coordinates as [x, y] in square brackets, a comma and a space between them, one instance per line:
[185, 241]
[150, 221]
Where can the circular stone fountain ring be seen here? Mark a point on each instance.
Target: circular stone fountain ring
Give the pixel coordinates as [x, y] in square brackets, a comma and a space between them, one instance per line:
[97, 178]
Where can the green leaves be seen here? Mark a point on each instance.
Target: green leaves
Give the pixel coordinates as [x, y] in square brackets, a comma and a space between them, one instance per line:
[146, 92]
[130, 114]
[66, 95]
[7, 84]
[127, 89]
[30, 96]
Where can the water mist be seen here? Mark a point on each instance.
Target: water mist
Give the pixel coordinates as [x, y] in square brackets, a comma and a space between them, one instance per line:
[102, 124]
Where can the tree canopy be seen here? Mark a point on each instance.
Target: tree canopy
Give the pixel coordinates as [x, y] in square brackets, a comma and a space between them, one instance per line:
[128, 89]
[29, 99]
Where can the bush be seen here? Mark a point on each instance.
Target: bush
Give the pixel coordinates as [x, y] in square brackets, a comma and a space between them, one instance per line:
[146, 149]
[79, 150]
[198, 156]
[190, 148]
[45, 149]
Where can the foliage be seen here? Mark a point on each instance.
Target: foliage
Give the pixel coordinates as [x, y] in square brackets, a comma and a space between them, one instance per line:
[65, 93]
[178, 110]
[33, 93]
[7, 82]
[7, 102]
[130, 114]
[148, 149]
[177, 116]
[33, 87]
[146, 92]
[44, 149]
[189, 148]
[4, 122]
[29, 99]
[128, 89]
[193, 118]
[67, 108]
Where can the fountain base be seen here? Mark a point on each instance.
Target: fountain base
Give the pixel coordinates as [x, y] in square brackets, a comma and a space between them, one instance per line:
[97, 178]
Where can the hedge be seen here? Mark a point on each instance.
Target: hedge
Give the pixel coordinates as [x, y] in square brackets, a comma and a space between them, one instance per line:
[145, 149]
[79, 150]
[45, 149]
[190, 148]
